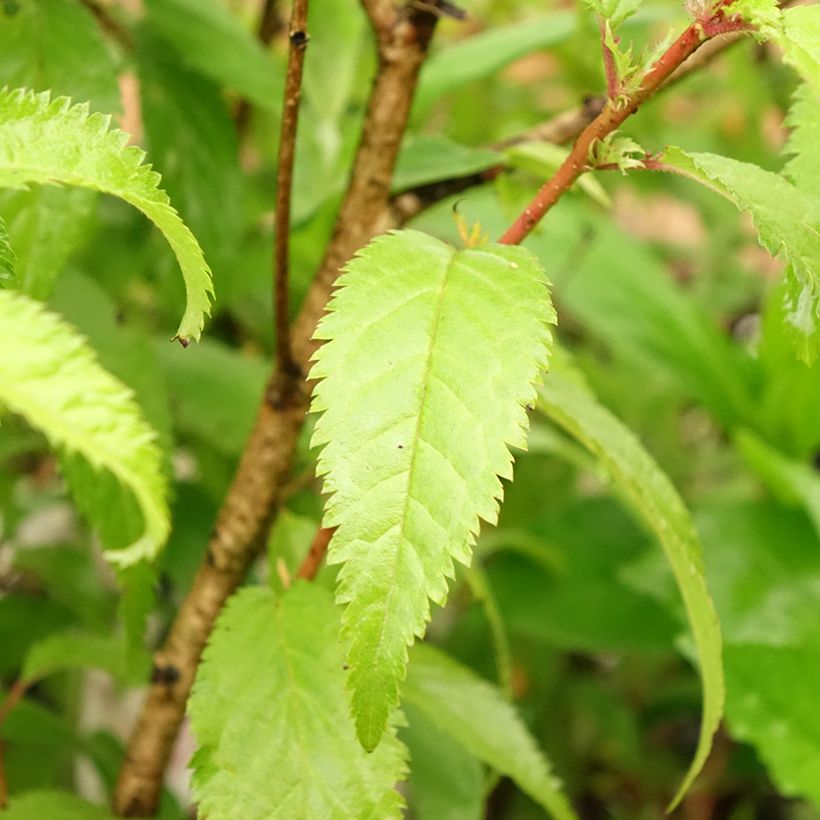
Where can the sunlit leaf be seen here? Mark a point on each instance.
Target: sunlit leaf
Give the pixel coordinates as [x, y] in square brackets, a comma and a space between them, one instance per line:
[431, 357]
[54, 142]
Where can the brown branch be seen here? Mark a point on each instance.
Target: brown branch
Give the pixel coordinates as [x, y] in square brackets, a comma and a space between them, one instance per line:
[244, 519]
[611, 118]
[287, 371]
[316, 552]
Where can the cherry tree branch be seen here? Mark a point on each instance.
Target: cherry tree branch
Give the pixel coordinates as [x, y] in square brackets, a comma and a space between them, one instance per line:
[287, 370]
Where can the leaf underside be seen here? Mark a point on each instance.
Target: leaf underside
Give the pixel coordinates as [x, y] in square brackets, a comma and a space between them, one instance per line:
[53, 142]
[657, 503]
[270, 712]
[55, 382]
[431, 355]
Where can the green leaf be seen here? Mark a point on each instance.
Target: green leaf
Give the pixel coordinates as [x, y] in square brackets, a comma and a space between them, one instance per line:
[52, 142]
[803, 169]
[212, 40]
[57, 46]
[416, 432]
[787, 221]
[763, 563]
[772, 704]
[79, 650]
[657, 503]
[47, 225]
[623, 294]
[270, 713]
[763, 566]
[615, 11]
[475, 713]
[53, 804]
[337, 47]
[792, 481]
[800, 42]
[485, 54]
[426, 159]
[201, 176]
[55, 382]
[8, 278]
[446, 782]
[199, 381]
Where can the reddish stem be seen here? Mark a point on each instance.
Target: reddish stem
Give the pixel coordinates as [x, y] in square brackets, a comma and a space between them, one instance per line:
[316, 552]
[610, 119]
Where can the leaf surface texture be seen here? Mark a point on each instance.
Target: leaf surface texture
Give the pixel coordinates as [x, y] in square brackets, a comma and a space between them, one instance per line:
[270, 712]
[431, 358]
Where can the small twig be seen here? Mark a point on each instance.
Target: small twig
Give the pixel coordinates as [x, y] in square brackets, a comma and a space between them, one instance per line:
[610, 119]
[286, 368]
[318, 547]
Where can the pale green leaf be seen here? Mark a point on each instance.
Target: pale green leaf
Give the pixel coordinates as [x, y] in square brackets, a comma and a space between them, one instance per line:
[424, 160]
[271, 716]
[796, 30]
[800, 42]
[55, 382]
[615, 11]
[657, 503]
[485, 54]
[57, 46]
[43, 805]
[803, 169]
[431, 359]
[8, 277]
[214, 41]
[476, 714]
[788, 223]
[54, 142]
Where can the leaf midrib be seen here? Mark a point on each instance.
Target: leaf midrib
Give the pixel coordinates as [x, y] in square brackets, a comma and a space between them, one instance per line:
[416, 438]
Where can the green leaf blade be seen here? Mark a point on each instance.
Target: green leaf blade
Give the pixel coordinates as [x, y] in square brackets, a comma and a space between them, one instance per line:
[270, 712]
[421, 398]
[803, 168]
[463, 706]
[657, 503]
[55, 382]
[53, 142]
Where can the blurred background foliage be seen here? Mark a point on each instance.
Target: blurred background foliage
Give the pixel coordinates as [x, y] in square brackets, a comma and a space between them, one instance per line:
[664, 296]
